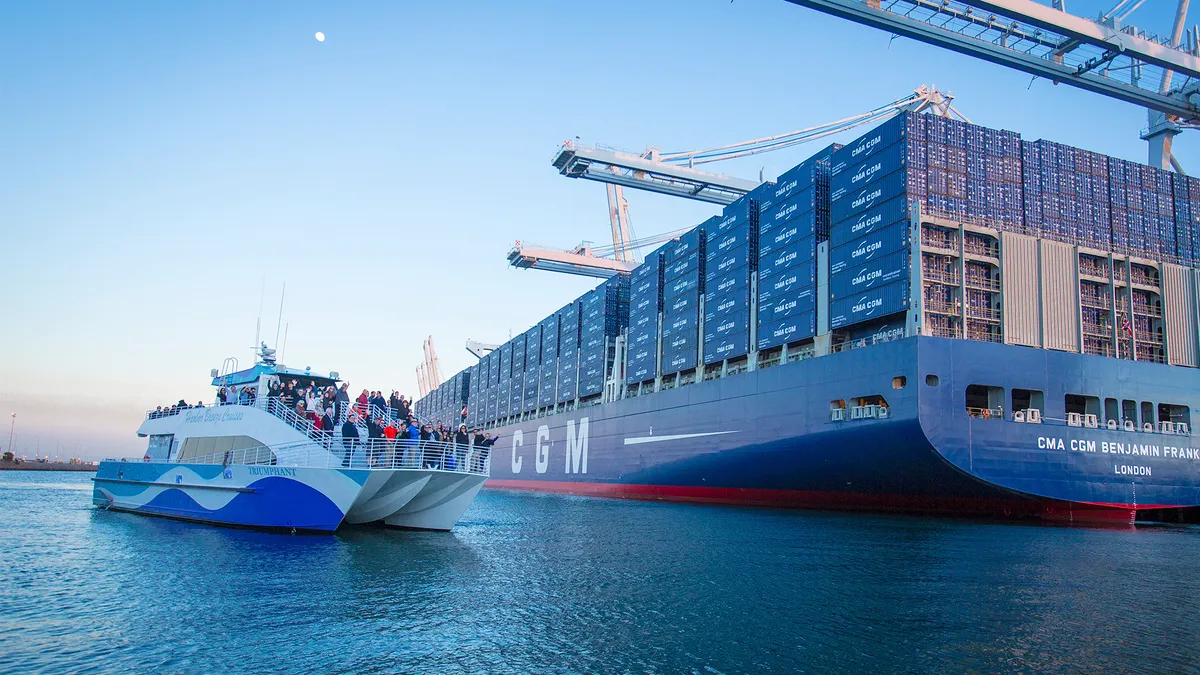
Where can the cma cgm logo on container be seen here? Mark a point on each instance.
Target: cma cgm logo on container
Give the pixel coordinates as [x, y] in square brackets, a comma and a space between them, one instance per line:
[867, 145]
[790, 232]
[785, 307]
[680, 322]
[728, 347]
[865, 305]
[726, 285]
[786, 258]
[784, 331]
[864, 277]
[729, 221]
[866, 173]
[727, 242]
[678, 342]
[726, 264]
[783, 214]
[867, 198]
[867, 223]
[726, 327]
[786, 281]
[867, 249]
[786, 188]
[577, 448]
[726, 305]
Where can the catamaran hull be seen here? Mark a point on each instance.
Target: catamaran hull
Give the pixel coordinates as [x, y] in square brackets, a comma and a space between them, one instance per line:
[264, 497]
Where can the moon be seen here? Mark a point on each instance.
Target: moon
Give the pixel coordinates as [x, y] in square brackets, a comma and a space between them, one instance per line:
[320, 36]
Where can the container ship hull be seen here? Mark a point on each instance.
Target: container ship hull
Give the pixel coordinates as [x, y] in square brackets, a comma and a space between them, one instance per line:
[768, 438]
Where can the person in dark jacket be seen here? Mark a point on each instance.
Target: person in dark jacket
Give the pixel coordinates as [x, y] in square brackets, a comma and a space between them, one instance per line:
[327, 425]
[349, 439]
[341, 399]
[462, 444]
[374, 439]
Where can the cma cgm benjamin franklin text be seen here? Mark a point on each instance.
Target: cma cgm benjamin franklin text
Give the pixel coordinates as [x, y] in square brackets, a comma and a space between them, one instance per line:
[934, 318]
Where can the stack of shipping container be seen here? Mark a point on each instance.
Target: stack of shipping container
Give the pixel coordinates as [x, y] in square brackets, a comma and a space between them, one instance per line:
[645, 302]
[568, 352]
[516, 383]
[730, 258]
[683, 281]
[533, 364]
[604, 314]
[859, 198]
[794, 219]
[549, 363]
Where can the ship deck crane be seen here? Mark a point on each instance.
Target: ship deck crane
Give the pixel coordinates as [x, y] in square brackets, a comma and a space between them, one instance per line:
[1104, 56]
[674, 173]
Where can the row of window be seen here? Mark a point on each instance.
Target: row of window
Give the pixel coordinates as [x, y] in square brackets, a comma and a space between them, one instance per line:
[981, 397]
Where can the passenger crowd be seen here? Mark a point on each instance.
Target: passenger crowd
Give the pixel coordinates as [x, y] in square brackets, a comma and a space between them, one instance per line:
[394, 436]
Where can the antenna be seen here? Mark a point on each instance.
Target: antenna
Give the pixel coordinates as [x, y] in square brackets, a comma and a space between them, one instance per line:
[258, 322]
[283, 352]
[279, 321]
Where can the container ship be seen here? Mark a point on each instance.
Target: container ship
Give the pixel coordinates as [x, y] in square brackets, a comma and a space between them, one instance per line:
[935, 318]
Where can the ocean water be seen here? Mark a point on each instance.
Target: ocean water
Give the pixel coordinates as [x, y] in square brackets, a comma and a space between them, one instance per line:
[540, 583]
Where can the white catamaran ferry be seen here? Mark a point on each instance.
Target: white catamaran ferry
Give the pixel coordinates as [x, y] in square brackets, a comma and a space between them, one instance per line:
[256, 463]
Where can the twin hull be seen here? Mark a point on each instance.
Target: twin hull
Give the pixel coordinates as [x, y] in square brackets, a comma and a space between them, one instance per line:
[286, 498]
[766, 437]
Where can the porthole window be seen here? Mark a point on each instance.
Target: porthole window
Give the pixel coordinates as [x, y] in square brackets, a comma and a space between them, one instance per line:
[931, 380]
[899, 382]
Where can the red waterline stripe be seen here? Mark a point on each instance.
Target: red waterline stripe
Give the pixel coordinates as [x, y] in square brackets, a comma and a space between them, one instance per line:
[829, 500]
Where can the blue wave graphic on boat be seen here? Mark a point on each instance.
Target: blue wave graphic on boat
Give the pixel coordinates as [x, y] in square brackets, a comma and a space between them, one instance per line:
[274, 502]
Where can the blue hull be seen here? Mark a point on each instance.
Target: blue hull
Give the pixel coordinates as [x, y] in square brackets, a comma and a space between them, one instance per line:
[767, 437]
[263, 497]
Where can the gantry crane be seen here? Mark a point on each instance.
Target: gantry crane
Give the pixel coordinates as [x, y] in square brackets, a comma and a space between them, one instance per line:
[675, 173]
[1105, 55]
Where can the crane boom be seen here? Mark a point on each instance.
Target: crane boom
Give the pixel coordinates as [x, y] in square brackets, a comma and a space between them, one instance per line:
[1102, 56]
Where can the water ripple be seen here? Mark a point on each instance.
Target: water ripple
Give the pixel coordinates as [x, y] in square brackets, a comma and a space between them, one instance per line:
[546, 584]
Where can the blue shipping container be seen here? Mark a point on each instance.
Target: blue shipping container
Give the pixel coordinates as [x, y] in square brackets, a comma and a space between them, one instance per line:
[679, 361]
[673, 343]
[689, 283]
[791, 329]
[727, 325]
[795, 255]
[720, 306]
[879, 272]
[641, 371]
[730, 282]
[726, 243]
[731, 260]
[865, 249]
[788, 285]
[675, 324]
[788, 231]
[869, 170]
[688, 243]
[786, 306]
[855, 202]
[892, 211]
[681, 267]
[726, 347]
[798, 204]
[872, 304]
[682, 303]
[878, 139]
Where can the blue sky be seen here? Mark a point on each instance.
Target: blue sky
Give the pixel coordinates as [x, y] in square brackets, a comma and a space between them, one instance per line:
[161, 159]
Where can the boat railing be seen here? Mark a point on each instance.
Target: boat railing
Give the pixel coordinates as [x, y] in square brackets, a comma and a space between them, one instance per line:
[372, 453]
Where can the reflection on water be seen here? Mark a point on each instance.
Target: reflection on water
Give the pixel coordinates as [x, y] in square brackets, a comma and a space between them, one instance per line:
[535, 583]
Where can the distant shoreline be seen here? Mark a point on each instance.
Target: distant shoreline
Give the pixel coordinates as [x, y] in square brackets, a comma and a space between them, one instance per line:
[46, 466]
